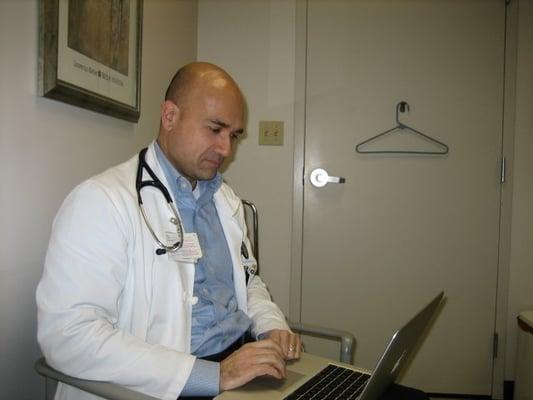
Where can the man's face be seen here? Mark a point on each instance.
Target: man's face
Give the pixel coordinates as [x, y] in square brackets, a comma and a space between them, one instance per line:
[205, 130]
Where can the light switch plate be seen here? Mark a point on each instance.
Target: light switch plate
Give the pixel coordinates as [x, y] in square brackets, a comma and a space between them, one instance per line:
[271, 133]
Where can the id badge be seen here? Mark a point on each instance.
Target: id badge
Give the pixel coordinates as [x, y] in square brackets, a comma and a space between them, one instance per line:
[190, 252]
[250, 266]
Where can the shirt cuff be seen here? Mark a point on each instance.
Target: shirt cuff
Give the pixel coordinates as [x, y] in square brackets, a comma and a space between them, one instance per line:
[204, 379]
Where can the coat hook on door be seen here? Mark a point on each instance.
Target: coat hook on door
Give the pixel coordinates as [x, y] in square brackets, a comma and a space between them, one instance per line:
[402, 105]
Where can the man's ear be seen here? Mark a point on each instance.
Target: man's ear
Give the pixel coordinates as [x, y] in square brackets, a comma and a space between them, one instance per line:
[169, 114]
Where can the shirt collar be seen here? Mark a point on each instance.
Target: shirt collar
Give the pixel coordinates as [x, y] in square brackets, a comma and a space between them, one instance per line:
[206, 188]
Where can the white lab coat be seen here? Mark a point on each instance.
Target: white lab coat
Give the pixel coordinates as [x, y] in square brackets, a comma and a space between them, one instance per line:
[109, 308]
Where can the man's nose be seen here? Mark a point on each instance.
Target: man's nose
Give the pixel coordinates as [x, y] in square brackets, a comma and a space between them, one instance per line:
[224, 145]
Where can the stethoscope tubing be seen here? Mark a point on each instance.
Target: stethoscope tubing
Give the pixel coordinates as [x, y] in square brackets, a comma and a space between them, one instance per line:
[156, 183]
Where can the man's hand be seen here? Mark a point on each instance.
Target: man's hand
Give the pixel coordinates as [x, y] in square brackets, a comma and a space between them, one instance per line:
[264, 357]
[290, 343]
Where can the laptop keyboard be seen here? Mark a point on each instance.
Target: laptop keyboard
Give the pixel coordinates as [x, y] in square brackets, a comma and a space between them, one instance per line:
[333, 382]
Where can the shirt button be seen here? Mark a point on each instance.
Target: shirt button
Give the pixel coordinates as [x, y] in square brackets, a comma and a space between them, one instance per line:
[194, 300]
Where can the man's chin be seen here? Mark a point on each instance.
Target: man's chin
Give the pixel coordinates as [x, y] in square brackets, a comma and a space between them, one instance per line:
[207, 175]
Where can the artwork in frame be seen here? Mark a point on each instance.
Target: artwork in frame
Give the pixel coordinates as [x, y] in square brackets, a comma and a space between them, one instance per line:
[90, 54]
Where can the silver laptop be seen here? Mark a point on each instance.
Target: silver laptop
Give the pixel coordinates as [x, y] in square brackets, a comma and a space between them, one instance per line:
[318, 378]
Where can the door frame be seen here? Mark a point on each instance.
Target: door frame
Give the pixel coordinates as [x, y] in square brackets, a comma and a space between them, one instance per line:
[506, 189]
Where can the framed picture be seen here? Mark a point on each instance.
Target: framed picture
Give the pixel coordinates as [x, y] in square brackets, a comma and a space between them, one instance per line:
[90, 54]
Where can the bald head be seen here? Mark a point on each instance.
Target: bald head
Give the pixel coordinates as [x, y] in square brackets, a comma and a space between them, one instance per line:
[196, 76]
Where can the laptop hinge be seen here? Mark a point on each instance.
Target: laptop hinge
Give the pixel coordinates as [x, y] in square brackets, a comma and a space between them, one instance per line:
[495, 345]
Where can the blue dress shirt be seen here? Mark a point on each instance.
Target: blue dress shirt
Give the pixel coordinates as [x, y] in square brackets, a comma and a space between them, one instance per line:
[216, 320]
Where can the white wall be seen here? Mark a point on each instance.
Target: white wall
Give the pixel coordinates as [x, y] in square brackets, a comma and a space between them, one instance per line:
[254, 41]
[46, 147]
[521, 264]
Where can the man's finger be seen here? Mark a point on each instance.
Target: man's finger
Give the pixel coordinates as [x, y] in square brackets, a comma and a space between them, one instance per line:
[297, 347]
[265, 357]
[249, 362]
[285, 343]
[294, 347]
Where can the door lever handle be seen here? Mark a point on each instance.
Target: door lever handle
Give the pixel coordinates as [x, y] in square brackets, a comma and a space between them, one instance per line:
[319, 177]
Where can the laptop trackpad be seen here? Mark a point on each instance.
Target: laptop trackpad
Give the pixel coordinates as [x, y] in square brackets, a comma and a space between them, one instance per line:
[279, 385]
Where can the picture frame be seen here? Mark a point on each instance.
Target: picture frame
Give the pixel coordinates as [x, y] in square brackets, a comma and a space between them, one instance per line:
[90, 54]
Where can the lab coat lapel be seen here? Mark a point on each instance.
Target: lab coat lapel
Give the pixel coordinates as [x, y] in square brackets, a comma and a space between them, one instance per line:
[169, 282]
[160, 218]
[227, 207]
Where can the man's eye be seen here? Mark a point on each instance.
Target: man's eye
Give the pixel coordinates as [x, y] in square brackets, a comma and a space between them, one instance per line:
[214, 130]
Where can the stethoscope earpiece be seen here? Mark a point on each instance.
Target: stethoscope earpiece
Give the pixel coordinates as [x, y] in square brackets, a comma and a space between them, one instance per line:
[160, 252]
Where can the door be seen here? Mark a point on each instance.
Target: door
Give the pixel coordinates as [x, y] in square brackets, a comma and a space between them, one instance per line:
[403, 227]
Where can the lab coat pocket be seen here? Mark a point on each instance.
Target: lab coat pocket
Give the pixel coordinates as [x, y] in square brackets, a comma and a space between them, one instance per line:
[171, 304]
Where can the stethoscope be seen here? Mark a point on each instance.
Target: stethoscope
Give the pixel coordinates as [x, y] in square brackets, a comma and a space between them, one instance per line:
[156, 183]
[176, 220]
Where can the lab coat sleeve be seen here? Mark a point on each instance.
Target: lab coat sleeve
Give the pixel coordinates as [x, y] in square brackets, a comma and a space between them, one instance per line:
[265, 314]
[79, 298]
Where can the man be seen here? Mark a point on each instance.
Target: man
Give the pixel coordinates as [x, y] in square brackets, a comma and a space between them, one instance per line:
[115, 305]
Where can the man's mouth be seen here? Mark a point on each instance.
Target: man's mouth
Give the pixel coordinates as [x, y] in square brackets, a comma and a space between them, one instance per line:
[215, 163]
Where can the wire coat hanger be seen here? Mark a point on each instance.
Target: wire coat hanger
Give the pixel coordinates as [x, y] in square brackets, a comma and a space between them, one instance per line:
[400, 107]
